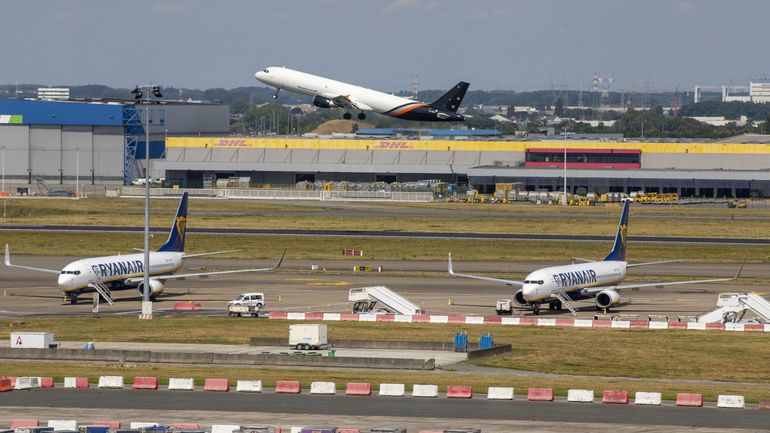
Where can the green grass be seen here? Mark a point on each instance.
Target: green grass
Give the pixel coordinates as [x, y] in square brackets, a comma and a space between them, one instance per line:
[642, 354]
[328, 248]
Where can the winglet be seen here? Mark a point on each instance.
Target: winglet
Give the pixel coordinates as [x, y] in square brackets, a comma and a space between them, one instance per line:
[277, 265]
[451, 271]
[7, 256]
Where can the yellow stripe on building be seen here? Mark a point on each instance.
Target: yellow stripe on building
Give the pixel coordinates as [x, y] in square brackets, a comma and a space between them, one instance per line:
[456, 145]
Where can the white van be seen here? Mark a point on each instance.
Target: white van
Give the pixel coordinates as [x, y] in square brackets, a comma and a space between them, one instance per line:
[246, 303]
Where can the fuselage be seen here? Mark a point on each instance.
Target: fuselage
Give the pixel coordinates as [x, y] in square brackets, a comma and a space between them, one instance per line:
[541, 284]
[360, 97]
[115, 270]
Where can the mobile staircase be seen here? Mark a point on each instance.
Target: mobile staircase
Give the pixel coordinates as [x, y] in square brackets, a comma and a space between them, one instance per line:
[732, 307]
[367, 297]
[566, 301]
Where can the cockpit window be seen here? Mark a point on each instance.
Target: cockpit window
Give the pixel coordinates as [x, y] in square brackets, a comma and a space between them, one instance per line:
[267, 71]
[540, 282]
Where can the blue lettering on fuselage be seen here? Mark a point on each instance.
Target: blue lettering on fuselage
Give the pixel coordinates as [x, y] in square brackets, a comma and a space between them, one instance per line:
[118, 268]
[576, 278]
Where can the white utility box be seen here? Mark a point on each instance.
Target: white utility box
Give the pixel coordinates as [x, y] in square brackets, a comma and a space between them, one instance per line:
[304, 337]
[32, 340]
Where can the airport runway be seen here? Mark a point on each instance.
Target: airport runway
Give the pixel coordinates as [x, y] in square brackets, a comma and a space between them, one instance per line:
[477, 412]
[396, 234]
[297, 288]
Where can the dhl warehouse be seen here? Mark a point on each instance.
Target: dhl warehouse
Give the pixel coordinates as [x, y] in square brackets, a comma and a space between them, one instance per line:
[738, 167]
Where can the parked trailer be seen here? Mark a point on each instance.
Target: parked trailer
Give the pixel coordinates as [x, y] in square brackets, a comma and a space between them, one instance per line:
[308, 337]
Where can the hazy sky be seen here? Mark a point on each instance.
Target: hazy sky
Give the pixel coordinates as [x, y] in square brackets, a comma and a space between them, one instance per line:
[494, 44]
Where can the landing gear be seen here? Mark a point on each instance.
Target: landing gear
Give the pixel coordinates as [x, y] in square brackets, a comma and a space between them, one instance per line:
[347, 116]
[554, 305]
[361, 116]
[275, 96]
[73, 299]
[536, 309]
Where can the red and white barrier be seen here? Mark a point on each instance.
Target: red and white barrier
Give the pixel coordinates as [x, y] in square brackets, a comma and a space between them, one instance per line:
[427, 391]
[217, 385]
[499, 393]
[689, 399]
[76, 382]
[46, 382]
[392, 389]
[287, 387]
[648, 398]
[454, 391]
[324, 388]
[145, 382]
[25, 382]
[731, 401]
[615, 397]
[580, 395]
[540, 394]
[114, 425]
[6, 385]
[248, 386]
[23, 422]
[178, 426]
[225, 428]
[187, 306]
[142, 424]
[181, 384]
[355, 388]
[63, 424]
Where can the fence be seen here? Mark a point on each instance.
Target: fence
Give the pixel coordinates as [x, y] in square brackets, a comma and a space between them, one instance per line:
[283, 194]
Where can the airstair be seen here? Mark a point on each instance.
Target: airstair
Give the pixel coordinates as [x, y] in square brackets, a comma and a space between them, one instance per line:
[566, 301]
[101, 289]
[385, 297]
[732, 307]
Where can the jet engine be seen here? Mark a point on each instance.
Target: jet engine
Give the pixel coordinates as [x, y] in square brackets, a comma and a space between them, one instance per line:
[156, 288]
[518, 299]
[320, 101]
[607, 298]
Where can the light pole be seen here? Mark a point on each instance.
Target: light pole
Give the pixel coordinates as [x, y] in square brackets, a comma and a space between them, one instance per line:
[3, 168]
[139, 94]
[77, 173]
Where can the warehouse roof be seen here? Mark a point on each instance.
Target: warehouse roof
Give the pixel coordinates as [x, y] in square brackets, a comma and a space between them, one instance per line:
[37, 112]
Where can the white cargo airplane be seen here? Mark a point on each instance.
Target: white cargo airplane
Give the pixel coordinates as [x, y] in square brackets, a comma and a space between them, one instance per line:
[328, 93]
[561, 285]
[105, 274]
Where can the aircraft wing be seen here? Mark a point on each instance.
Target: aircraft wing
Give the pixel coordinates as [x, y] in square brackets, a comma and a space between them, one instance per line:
[594, 290]
[8, 263]
[236, 271]
[634, 265]
[210, 253]
[477, 277]
[345, 101]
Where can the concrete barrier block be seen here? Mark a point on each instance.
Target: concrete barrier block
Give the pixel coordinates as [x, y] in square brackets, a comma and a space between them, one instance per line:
[6, 385]
[731, 401]
[454, 391]
[474, 320]
[23, 422]
[46, 382]
[332, 316]
[25, 382]
[349, 430]
[185, 426]
[225, 428]
[354, 388]
[438, 319]
[181, 384]
[367, 317]
[583, 323]
[658, 325]
[620, 324]
[63, 424]
[696, 326]
[248, 386]
[219, 385]
[114, 425]
[763, 404]
[500, 393]
[540, 394]
[287, 387]
[392, 389]
[689, 399]
[110, 382]
[295, 316]
[615, 397]
[326, 388]
[734, 327]
[580, 395]
[648, 398]
[141, 424]
[145, 382]
[546, 322]
[509, 321]
[430, 391]
[402, 318]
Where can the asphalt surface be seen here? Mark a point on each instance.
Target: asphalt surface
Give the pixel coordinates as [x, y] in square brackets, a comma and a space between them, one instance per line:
[395, 234]
[295, 287]
[401, 408]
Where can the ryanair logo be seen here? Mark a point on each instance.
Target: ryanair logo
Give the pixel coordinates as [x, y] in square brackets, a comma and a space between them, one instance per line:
[181, 223]
[114, 269]
[577, 278]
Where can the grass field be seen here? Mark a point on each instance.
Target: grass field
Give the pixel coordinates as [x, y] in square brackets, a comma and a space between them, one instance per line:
[449, 217]
[324, 248]
[642, 354]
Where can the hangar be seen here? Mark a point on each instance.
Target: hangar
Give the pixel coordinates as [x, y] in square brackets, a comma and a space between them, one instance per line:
[739, 167]
[94, 141]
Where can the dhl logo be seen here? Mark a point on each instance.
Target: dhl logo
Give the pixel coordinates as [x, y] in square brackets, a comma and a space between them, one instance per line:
[226, 142]
[393, 145]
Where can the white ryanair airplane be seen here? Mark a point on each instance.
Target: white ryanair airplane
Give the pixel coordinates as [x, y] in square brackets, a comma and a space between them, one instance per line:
[560, 286]
[109, 273]
[328, 93]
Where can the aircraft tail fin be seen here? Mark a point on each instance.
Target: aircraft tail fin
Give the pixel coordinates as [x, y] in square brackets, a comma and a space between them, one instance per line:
[452, 99]
[175, 242]
[618, 252]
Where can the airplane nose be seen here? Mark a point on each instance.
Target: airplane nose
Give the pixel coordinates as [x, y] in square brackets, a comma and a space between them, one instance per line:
[528, 292]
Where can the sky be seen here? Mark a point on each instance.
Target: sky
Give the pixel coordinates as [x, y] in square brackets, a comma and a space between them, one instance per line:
[385, 44]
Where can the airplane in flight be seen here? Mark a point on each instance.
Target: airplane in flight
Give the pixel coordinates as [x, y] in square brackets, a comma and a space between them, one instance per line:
[560, 286]
[109, 273]
[328, 93]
